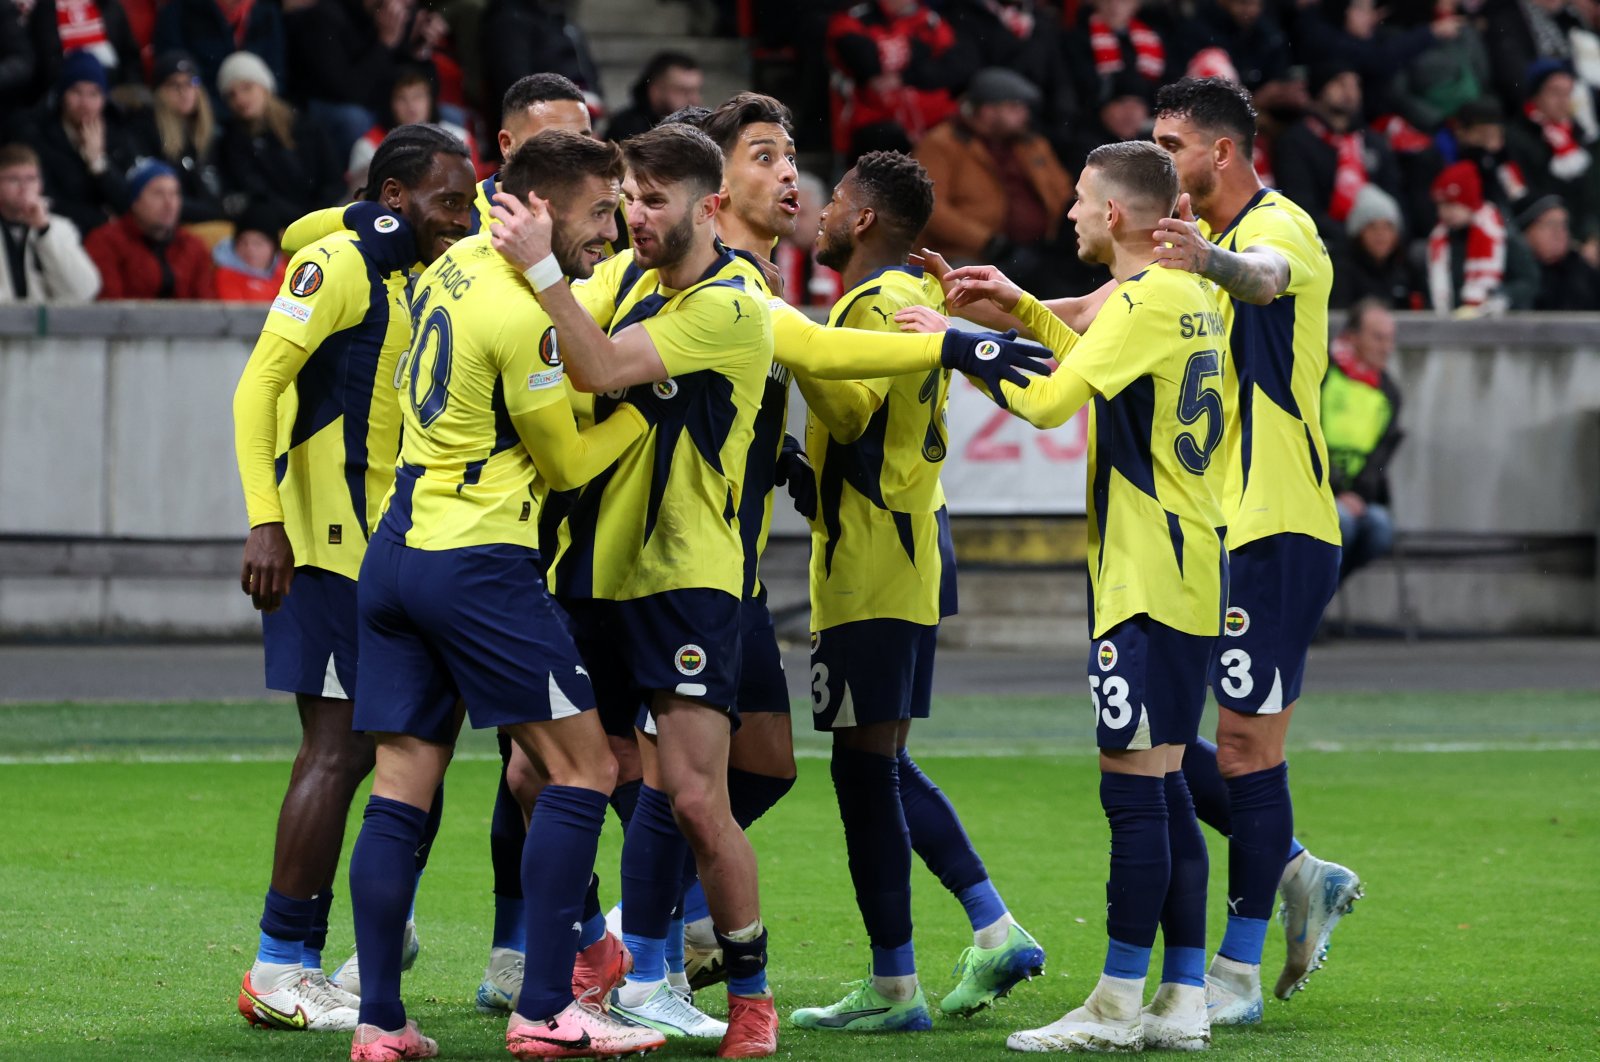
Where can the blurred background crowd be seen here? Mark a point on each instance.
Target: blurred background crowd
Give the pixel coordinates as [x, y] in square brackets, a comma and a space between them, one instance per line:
[1446, 148]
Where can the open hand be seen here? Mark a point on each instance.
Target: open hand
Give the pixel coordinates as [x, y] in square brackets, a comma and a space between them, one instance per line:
[1179, 244]
[523, 235]
[971, 284]
[921, 319]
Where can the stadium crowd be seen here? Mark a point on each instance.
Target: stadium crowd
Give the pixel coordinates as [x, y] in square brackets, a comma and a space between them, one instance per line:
[1445, 148]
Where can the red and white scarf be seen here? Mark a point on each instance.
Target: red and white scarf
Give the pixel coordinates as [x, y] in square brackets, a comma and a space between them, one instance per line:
[1150, 56]
[1016, 18]
[1485, 266]
[1568, 159]
[80, 25]
[1350, 172]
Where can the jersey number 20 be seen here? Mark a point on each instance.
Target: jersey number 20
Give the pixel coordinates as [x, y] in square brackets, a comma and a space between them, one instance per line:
[1195, 401]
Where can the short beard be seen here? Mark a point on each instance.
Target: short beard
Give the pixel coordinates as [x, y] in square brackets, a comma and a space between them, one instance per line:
[569, 253]
[675, 244]
[835, 253]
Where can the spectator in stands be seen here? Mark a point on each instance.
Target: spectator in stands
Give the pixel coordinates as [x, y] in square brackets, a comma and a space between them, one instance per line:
[1112, 41]
[1122, 112]
[1452, 72]
[807, 282]
[1521, 32]
[669, 81]
[44, 257]
[1479, 134]
[1566, 280]
[1027, 37]
[898, 67]
[180, 129]
[212, 30]
[411, 100]
[249, 267]
[1356, 34]
[345, 56]
[83, 148]
[1361, 423]
[1002, 192]
[18, 85]
[1254, 40]
[53, 29]
[522, 37]
[1376, 265]
[1325, 159]
[1553, 152]
[144, 254]
[1473, 265]
[270, 155]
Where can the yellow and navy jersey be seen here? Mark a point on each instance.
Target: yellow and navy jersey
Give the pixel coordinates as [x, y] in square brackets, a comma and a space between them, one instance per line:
[484, 200]
[772, 419]
[876, 539]
[1276, 458]
[343, 302]
[484, 352]
[665, 516]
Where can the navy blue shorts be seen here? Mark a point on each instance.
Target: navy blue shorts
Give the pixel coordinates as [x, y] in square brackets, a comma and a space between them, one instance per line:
[871, 671]
[1148, 684]
[762, 686]
[310, 641]
[1277, 590]
[685, 642]
[472, 624]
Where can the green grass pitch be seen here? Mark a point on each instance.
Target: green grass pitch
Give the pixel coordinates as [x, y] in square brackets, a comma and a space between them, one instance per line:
[137, 841]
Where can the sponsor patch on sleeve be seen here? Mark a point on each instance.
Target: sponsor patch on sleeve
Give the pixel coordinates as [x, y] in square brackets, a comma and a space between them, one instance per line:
[545, 378]
[291, 308]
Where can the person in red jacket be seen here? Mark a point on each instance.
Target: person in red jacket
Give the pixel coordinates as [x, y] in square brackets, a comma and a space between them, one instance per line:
[250, 266]
[143, 254]
[897, 66]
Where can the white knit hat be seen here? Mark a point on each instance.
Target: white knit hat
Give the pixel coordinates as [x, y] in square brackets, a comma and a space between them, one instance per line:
[248, 67]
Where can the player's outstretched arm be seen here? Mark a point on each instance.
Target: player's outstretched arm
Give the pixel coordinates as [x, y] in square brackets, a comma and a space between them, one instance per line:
[595, 362]
[268, 565]
[979, 311]
[1256, 275]
[568, 458]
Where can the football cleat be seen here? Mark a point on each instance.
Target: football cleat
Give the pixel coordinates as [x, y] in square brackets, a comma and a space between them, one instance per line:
[752, 1028]
[666, 1011]
[704, 966]
[1176, 1019]
[296, 1003]
[347, 978]
[599, 969]
[1315, 897]
[582, 1030]
[372, 1044]
[1109, 1020]
[1233, 993]
[320, 979]
[502, 982]
[987, 974]
[865, 1009]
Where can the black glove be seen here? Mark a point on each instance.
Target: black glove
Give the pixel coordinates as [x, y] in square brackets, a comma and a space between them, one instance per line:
[992, 357]
[794, 471]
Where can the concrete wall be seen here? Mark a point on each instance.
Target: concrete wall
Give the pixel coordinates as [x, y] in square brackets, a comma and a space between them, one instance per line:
[120, 510]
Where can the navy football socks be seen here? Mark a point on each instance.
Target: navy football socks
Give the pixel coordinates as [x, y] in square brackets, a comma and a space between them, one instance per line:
[941, 842]
[382, 881]
[624, 798]
[653, 857]
[1263, 828]
[878, 844]
[317, 934]
[1210, 792]
[752, 795]
[594, 920]
[1183, 917]
[557, 866]
[285, 924]
[1136, 889]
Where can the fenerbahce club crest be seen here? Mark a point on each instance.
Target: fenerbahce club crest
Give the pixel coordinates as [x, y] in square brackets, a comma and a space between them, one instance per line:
[691, 660]
[1235, 621]
[1108, 656]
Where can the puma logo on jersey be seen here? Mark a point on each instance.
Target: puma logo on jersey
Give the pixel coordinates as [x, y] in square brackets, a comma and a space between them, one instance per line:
[880, 313]
[738, 311]
[1131, 303]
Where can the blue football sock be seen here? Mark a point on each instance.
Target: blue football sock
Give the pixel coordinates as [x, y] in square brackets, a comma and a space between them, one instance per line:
[1263, 827]
[747, 964]
[1295, 848]
[510, 922]
[1206, 787]
[624, 798]
[285, 924]
[557, 865]
[939, 839]
[674, 956]
[1183, 916]
[694, 902]
[653, 855]
[878, 845]
[317, 935]
[594, 920]
[382, 882]
[1136, 888]
[982, 903]
[752, 795]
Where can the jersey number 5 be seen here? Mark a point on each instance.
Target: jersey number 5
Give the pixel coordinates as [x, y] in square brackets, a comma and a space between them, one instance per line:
[429, 404]
[1195, 401]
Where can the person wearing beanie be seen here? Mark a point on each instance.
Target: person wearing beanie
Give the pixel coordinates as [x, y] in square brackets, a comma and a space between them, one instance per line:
[1554, 153]
[144, 254]
[209, 32]
[250, 266]
[1473, 265]
[1566, 280]
[84, 151]
[1374, 265]
[270, 155]
[180, 129]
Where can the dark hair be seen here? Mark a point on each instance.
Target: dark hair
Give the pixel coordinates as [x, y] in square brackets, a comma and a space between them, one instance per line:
[1141, 169]
[414, 75]
[673, 154]
[407, 155]
[1356, 315]
[538, 88]
[1215, 104]
[692, 115]
[17, 155]
[898, 188]
[658, 65]
[556, 159]
[746, 108]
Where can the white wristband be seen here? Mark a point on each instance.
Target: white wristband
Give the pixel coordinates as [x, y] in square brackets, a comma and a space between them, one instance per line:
[544, 273]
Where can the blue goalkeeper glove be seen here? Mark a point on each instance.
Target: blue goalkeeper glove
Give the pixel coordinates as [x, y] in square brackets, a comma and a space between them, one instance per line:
[794, 471]
[991, 358]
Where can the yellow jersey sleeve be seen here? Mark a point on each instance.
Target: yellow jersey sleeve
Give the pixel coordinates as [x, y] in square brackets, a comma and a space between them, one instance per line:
[804, 346]
[325, 290]
[713, 326]
[273, 365]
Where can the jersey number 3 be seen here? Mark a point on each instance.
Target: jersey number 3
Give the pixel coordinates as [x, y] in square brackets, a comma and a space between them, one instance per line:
[1196, 401]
